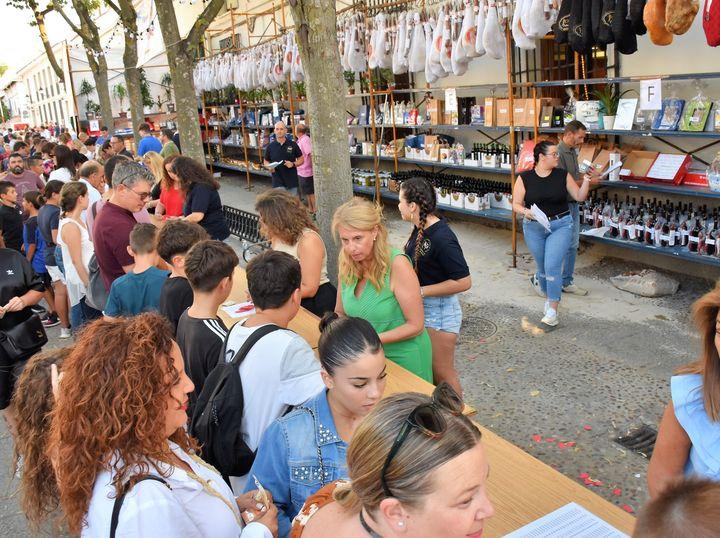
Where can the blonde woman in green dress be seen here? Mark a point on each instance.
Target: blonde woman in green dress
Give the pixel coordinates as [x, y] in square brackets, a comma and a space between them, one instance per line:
[377, 282]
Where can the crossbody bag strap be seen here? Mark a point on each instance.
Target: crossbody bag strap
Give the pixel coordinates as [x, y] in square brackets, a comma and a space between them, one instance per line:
[117, 506]
[321, 463]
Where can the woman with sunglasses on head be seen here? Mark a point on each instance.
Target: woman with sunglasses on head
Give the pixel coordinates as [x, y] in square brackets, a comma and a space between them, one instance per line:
[548, 187]
[417, 469]
[123, 460]
[305, 450]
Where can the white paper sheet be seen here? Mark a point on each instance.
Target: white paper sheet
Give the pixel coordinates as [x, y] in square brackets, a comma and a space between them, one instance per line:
[570, 520]
[240, 310]
[611, 168]
[596, 232]
[273, 166]
[651, 94]
[540, 216]
[625, 114]
[666, 166]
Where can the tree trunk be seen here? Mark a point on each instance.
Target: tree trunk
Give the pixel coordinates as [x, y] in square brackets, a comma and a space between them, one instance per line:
[325, 87]
[40, 21]
[181, 71]
[100, 75]
[128, 18]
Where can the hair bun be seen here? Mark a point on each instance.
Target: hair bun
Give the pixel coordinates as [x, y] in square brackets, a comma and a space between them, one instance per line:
[328, 319]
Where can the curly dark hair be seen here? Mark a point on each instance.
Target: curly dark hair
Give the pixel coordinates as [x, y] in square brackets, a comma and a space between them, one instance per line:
[284, 215]
[190, 171]
[421, 192]
[33, 401]
[111, 408]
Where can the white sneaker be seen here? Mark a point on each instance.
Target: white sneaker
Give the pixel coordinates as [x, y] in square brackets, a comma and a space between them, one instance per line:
[65, 332]
[575, 290]
[535, 283]
[551, 317]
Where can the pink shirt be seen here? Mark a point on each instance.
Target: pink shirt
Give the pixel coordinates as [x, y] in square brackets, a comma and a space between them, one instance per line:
[305, 145]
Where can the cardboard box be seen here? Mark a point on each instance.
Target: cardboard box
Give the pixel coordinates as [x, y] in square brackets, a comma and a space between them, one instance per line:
[696, 179]
[472, 202]
[431, 151]
[457, 199]
[637, 164]
[602, 160]
[502, 114]
[587, 153]
[669, 168]
[443, 196]
[519, 106]
[435, 111]
[531, 112]
[490, 112]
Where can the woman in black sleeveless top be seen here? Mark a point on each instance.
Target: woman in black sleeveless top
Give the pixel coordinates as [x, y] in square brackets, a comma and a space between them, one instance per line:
[547, 187]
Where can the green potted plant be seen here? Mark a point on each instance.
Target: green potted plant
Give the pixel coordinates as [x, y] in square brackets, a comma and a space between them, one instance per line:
[609, 98]
[349, 77]
[147, 99]
[120, 93]
[166, 83]
[85, 90]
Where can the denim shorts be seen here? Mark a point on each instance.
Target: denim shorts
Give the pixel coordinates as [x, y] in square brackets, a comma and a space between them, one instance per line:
[443, 313]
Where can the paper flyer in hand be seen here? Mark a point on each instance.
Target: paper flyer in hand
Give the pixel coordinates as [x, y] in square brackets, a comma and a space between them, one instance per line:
[540, 216]
[273, 166]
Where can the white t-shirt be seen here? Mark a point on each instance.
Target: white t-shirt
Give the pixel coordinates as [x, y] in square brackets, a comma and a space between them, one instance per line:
[279, 371]
[93, 196]
[61, 174]
[151, 509]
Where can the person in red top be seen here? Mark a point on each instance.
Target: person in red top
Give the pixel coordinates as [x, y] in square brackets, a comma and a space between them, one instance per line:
[172, 197]
[111, 234]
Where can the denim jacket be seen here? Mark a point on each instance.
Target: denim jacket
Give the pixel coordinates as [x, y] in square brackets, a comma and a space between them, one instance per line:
[298, 454]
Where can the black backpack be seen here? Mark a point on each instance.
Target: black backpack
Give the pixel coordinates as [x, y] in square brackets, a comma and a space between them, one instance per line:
[218, 413]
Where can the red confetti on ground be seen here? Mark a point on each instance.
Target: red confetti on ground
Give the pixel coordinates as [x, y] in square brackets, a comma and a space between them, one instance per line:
[550, 440]
[629, 509]
[562, 445]
[587, 427]
[570, 444]
[617, 491]
[537, 438]
[584, 475]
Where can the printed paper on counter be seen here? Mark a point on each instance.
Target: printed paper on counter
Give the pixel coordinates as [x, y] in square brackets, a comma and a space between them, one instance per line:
[570, 520]
[240, 310]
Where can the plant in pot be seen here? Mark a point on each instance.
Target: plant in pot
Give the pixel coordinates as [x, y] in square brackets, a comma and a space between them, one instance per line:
[120, 93]
[85, 90]
[166, 83]
[349, 77]
[147, 99]
[609, 98]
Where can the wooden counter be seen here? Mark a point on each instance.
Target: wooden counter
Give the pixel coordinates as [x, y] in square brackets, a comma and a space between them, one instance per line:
[521, 487]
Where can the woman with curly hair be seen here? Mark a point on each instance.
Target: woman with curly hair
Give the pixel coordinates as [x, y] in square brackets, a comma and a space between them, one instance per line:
[34, 401]
[688, 441]
[202, 200]
[287, 224]
[376, 282]
[443, 273]
[120, 447]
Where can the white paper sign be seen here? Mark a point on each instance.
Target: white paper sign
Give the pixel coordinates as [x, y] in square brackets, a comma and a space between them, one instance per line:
[451, 100]
[276, 110]
[94, 125]
[651, 94]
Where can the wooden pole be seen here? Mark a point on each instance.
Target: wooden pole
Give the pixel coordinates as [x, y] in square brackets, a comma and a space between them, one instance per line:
[392, 114]
[376, 157]
[511, 134]
[536, 118]
[206, 133]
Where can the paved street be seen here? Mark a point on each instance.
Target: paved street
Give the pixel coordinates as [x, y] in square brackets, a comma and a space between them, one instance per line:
[605, 369]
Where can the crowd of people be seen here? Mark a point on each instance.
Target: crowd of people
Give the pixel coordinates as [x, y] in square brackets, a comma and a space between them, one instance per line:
[160, 420]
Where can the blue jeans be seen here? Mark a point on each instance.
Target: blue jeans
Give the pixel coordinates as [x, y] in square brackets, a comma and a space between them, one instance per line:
[59, 259]
[549, 250]
[569, 262]
[82, 313]
[443, 313]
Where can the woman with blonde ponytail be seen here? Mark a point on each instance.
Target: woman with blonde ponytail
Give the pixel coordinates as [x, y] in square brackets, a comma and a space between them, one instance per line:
[417, 469]
[377, 282]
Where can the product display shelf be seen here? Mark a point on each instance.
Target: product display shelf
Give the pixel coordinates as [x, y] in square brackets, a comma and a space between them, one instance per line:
[500, 215]
[433, 126]
[437, 164]
[225, 166]
[230, 144]
[635, 132]
[620, 80]
[679, 190]
[674, 252]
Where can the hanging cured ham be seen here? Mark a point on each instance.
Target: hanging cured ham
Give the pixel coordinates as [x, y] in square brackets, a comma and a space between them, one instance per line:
[468, 31]
[654, 19]
[357, 58]
[446, 47]
[428, 26]
[480, 17]
[459, 61]
[538, 17]
[416, 60]
[383, 45]
[521, 39]
[679, 15]
[493, 34]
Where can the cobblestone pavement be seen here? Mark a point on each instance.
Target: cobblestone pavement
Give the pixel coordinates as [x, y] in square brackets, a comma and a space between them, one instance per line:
[604, 370]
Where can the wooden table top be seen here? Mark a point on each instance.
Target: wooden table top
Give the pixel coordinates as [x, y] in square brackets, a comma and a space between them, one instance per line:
[521, 487]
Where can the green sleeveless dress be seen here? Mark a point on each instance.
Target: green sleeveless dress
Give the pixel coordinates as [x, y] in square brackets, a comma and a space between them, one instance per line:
[382, 310]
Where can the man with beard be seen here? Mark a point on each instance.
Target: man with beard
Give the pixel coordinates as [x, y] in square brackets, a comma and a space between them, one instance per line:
[24, 180]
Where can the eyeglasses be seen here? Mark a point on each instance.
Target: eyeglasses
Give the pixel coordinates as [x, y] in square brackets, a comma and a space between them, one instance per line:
[553, 154]
[427, 419]
[143, 195]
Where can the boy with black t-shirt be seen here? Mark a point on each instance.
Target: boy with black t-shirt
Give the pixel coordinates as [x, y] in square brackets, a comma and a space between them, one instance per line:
[11, 224]
[209, 267]
[174, 241]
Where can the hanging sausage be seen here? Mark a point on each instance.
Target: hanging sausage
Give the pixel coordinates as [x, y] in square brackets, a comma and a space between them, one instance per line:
[654, 19]
[605, 35]
[625, 38]
[711, 22]
[562, 25]
[636, 16]
[679, 15]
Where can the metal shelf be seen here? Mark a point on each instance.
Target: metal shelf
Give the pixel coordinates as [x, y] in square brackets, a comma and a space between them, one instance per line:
[428, 126]
[674, 252]
[616, 80]
[500, 215]
[438, 164]
[680, 190]
[616, 132]
[226, 166]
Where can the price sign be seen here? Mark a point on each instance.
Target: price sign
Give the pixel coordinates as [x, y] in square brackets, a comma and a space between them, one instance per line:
[651, 94]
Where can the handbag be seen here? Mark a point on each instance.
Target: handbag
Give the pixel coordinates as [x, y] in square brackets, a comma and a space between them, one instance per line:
[24, 338]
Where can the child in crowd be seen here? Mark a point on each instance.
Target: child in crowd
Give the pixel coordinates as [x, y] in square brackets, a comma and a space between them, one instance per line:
[280, 370]
[174, 241]
[35, 250]
[209, 267]
[11, 225]
[139, 290]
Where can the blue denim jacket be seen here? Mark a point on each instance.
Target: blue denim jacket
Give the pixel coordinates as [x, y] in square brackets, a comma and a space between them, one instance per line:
[298, 454]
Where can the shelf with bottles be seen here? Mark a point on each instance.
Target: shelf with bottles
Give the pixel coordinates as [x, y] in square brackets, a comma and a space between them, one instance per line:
[667, 228]
[679, 190]
[435, 164]
[470, 127]
[631, 132]
[225, 143]
[236, 168]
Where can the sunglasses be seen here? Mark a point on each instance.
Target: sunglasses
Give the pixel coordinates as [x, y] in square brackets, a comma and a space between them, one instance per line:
[428, 420]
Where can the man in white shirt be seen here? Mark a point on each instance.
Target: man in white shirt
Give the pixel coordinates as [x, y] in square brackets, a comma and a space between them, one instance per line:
[93, 175]
[280, 370]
